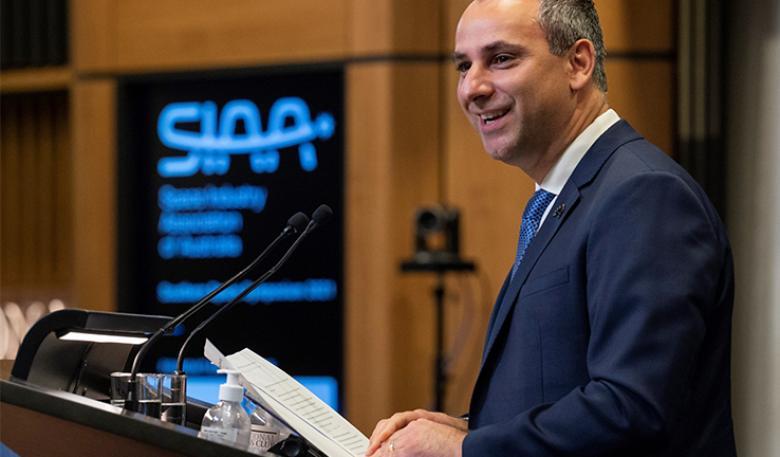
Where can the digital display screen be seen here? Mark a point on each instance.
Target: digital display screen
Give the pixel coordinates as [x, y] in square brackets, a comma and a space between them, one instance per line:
[211, 167]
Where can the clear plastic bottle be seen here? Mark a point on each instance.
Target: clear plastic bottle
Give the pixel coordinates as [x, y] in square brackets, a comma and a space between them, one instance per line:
[227, 422]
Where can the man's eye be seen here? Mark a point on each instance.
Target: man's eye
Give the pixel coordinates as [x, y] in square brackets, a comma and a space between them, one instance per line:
[462, 67]
[501, 58]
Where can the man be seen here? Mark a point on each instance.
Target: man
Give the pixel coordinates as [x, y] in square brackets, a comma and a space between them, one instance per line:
[611, 334]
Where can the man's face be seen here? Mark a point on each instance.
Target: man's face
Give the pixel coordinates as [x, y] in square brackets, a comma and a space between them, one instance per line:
[511, 88]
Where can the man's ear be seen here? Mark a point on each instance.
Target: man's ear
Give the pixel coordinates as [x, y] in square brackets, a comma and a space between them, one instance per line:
[582, 62]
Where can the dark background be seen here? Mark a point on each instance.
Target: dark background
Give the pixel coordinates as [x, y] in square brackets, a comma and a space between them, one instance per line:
[303, 338]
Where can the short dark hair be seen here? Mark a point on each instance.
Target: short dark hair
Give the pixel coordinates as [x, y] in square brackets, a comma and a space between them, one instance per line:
[566, 21]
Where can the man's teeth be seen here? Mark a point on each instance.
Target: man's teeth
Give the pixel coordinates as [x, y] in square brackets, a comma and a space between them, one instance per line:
[492, 116]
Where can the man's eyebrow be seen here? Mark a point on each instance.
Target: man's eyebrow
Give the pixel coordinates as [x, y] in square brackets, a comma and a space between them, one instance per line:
[489, 49]
[501, 44]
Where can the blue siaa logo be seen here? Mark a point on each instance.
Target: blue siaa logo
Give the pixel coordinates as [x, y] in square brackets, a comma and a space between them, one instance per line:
[208, 151]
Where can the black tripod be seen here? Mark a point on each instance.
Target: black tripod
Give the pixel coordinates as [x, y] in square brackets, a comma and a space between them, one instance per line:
[439, 263]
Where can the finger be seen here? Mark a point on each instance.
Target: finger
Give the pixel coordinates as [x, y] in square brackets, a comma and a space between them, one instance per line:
[377, 429]
[382, 451]
[374, 442]
[443, 418]
[395, 443]
[376, 437]
[386, 427]
[383, 429]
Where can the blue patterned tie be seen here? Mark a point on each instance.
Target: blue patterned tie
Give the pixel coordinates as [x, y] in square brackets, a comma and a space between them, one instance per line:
[530, 224]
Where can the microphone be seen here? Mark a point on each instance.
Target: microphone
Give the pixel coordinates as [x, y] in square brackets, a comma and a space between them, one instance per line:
[295, 224]
[320, 215]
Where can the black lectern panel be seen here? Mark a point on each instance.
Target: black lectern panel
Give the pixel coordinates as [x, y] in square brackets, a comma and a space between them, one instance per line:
[38, 421]
[47, 359]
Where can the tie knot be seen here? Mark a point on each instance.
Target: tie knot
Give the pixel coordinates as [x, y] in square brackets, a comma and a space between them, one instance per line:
[530, 224]
[537, 205]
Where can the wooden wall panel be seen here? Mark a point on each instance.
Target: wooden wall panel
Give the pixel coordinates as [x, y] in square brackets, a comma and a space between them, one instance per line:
[389, 327]
[371, 27]
[121, 36]
[642, 92]
[28, 152]
[92, 38]
[368, 336]
[416, 26]
[391, 27]
[94, 194]
[33, 132]
[63, 206]
[44, 201]
[10, 237]
[43, 79]
[164, 35]
[632, 26]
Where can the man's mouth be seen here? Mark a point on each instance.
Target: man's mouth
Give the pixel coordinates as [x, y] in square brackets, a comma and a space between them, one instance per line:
[488, 118]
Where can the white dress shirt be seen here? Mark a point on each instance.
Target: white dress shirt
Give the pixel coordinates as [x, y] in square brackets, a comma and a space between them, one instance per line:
[560, 172]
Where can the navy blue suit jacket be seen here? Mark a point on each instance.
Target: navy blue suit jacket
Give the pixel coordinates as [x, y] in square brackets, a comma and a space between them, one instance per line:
[613, 338]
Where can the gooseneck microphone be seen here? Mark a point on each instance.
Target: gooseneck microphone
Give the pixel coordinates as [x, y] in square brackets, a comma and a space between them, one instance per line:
[296, 224]
[320, 215]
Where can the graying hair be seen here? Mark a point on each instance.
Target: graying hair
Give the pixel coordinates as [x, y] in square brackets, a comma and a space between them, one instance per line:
[566, 21]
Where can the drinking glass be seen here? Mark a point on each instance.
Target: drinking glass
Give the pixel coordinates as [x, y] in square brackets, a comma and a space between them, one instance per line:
[174, 404]
[120, 386]
[148, 389]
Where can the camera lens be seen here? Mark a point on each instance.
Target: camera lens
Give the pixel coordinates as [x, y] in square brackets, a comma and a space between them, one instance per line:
[428, 220]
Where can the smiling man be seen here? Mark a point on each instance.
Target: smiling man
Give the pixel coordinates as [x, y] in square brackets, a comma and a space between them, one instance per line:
[611, 334]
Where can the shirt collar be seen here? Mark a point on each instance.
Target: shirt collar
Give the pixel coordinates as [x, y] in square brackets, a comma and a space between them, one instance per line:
[557, 176]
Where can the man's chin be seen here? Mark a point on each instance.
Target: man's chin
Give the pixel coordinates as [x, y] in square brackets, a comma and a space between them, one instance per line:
[502, 154]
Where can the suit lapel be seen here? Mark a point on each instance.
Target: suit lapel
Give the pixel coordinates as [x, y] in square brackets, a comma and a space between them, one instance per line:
[492, 321]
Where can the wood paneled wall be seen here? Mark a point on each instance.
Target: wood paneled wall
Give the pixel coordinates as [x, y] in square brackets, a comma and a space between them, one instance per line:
[408, 145]
[35, 237]
[388, 343]
[94, 187]
[641, 42]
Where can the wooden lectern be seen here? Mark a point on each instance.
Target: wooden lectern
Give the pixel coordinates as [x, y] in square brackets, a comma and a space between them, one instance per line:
[36, 421]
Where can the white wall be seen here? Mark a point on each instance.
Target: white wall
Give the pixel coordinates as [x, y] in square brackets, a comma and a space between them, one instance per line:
[753, 132]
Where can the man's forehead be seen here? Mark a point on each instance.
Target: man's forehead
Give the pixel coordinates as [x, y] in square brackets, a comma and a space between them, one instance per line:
[477, 9]
[489, 21]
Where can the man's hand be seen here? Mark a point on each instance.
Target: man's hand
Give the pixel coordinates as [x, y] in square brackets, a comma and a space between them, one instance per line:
[418, 433]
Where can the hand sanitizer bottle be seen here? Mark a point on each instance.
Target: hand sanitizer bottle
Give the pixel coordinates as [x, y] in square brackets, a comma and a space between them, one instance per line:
[227, 422]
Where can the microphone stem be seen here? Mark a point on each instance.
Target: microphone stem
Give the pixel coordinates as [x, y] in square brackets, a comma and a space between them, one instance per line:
[244, 293]
[198, 306]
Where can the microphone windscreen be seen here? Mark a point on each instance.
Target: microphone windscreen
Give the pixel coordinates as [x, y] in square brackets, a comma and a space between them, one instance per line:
[321, 214]
[298, 221]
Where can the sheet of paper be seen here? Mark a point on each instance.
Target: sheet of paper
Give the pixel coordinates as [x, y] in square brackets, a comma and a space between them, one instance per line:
[290, 401]
[213, 354]
[300, 408]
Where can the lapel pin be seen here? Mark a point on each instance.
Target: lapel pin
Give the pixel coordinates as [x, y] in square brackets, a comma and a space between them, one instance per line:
[559, 210]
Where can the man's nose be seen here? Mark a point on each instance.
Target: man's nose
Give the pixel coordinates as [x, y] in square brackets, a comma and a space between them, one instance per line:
[476, 84]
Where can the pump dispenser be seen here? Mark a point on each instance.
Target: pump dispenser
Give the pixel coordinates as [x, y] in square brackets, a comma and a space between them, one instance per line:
[227, 422]
[232, 390]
